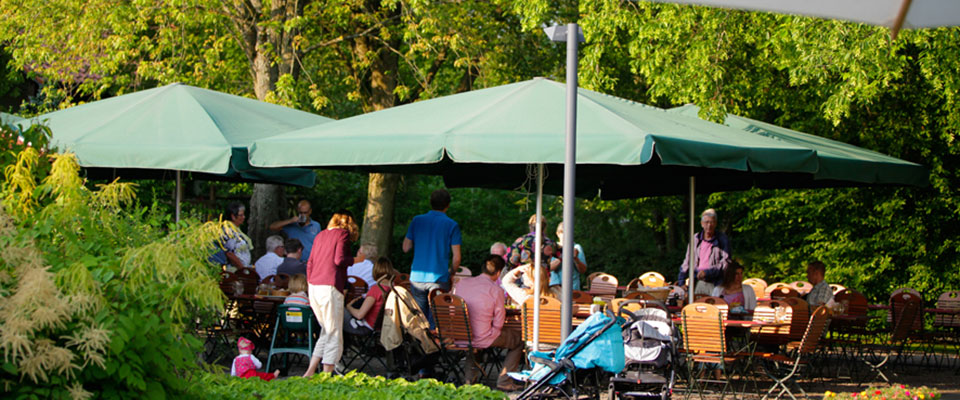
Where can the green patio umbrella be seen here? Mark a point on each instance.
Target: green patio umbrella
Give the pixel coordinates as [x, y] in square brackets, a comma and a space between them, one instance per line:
[489, 137]
[9, 119]
[176, 128]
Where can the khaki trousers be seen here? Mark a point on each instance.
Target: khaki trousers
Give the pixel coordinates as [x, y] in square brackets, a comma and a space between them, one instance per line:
[327, 304]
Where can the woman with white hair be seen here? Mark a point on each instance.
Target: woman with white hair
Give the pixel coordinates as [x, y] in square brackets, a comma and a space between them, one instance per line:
[711, 254]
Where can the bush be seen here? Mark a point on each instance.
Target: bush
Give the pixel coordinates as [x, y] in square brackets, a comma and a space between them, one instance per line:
[899, 392]
[352, 386]
[96, 295]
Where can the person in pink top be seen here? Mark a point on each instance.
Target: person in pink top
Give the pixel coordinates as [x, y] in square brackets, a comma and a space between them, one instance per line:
[485, 303]
[326, 281]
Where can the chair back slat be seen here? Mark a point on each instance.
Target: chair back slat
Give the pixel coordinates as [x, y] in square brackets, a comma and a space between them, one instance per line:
[758, 285]
[815, 327]
[604, 286]
[802, 287]
[703, 330]
[356, 288]
[452, 320]
[774, 286]
[773, 311]
[718, 302]
[800, 317]
[836, 288]
[653, 279]
[899, 300]
[784, 292]
[550, 321]
[904, 317]
[948, 300]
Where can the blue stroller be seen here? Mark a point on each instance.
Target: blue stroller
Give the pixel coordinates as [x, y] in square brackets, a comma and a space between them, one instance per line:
[596, 345]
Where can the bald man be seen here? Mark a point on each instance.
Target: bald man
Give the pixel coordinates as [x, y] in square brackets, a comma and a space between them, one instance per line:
[301, 227]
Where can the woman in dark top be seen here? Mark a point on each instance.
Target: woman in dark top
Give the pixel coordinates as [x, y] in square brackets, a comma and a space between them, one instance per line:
[327, 279]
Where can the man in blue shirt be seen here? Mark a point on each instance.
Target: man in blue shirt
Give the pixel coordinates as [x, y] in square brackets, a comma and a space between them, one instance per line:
[300, 227]
[435, 241]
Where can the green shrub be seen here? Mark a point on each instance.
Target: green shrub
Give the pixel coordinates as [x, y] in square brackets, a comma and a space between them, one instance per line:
[97, 296]
[899, 392]
[352, 386]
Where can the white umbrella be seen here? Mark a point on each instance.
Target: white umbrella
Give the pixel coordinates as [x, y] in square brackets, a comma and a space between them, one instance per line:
[894, 14]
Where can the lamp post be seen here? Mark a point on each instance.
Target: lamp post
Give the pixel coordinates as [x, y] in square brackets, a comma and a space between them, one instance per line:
[572, 35]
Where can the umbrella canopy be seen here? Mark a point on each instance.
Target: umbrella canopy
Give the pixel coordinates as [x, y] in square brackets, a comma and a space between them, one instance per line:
[522, 123]
[486, 138]
[9, 119]
[176, 128]
[894, 14]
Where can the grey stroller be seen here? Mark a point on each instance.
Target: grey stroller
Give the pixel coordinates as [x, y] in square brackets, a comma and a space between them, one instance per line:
[649, 344]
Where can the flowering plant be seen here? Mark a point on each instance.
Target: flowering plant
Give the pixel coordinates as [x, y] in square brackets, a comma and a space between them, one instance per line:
[893, 392]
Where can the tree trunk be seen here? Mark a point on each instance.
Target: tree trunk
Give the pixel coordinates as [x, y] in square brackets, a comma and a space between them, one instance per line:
[378, 215]
[265, 207]
[381, 188]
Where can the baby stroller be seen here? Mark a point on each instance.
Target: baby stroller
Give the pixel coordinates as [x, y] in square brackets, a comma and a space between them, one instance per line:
[649, 343]
[595, 345]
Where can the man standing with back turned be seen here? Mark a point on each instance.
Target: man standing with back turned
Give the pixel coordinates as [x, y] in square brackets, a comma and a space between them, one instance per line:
[435, 241]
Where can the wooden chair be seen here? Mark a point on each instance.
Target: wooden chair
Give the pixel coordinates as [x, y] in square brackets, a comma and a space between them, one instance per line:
[785, 368]
[897, 302]
[802, 287]
[836, 288]
[784, 292]
[227, 283]
[633, 285]
[249, 278]
[758, 285]
[604, 286]
[704, 342]
[279, 281]
[464, 271]
[770, 311]
[402, 279]
[550, 320]
[640, 296]
[653, 279]
[356, 288]
[453, 329]
[581, 302]
[948, 300]
[718, 302]
[877, 355]
[593, 275]
[770, 288]
[798, 321]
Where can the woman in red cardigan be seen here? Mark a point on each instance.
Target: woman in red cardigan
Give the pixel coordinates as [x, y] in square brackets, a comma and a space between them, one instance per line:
[327, 279]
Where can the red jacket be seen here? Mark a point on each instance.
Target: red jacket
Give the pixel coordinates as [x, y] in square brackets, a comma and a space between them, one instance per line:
[329, 259]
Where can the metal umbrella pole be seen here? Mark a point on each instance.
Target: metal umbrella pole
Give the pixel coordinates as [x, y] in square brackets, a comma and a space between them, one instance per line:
[177, 199]
[569, 181]
[538, 259]
[691, 252]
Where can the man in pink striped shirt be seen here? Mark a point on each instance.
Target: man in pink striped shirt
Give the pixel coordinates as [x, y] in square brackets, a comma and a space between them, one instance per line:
[485, 302]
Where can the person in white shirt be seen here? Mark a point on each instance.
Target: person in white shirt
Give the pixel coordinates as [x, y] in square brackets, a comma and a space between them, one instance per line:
[267, 265]
[364, 269]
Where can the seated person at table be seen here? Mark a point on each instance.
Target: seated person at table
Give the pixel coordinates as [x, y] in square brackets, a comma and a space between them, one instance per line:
[364, 269]
[361, 318]
[821, 293]
[267, 265]
[487, 313]
[298, 291]
[740, 298]
[291, 264]
[518, 283]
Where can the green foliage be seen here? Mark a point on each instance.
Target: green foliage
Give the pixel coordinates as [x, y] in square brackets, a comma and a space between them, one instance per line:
[351, 386]
[98, 295]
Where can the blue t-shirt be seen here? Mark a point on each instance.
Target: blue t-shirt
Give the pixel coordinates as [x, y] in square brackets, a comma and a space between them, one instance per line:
[306, 234]
[432, 234]
[556, 279]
